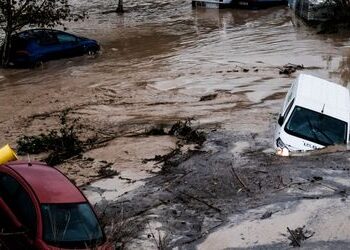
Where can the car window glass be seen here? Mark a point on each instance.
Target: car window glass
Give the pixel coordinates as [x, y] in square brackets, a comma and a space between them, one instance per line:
[316, 127]
[66, 38]
[70, 224]
[18, 201]
[46, 38]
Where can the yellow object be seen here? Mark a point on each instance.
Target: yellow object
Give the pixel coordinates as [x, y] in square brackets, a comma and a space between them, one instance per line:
[7, 154]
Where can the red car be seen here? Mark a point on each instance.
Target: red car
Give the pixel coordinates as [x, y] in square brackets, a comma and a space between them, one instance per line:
[41, 209]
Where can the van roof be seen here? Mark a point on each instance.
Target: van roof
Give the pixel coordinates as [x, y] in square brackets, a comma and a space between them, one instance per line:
[318, 94]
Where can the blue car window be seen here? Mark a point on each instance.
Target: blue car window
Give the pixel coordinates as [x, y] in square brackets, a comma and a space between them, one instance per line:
[45, 38]
[66, 38]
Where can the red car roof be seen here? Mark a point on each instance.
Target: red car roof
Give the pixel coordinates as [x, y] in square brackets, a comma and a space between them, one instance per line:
[49, 184]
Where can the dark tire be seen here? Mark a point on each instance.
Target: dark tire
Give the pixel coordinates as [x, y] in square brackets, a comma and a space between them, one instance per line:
[37, 64]
[92, 51]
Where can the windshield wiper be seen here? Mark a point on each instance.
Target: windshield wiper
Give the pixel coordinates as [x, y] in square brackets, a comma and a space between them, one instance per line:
[326, 136]
[320, 118]
[312, 128]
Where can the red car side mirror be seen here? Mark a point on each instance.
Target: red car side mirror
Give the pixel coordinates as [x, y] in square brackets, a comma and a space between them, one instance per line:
[7, 211]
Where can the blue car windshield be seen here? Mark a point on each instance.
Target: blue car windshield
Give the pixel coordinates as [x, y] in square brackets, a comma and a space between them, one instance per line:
[316, 127]
[70, 225]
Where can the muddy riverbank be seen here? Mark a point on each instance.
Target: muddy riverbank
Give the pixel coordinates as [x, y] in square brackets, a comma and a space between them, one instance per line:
[162, 63]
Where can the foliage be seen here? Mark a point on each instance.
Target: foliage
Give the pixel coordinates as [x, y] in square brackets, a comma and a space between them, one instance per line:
[62, 144]
[185, 131]
[119, 229]
[17, 14]
[340, 9]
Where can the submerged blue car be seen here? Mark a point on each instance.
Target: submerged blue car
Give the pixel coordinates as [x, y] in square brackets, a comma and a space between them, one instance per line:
[34, 46]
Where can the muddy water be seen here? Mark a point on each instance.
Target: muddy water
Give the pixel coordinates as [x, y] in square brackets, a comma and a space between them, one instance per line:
[157, 61]
[169, 53]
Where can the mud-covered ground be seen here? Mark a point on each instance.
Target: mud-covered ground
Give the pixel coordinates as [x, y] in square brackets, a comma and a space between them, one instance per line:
[157, 62]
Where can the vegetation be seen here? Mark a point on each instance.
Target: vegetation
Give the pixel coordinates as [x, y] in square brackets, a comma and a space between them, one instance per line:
[184, 130]
[119, 229]
[338, 10]
[16, 14]
[341, 9]
[61, 144]
[120, 8]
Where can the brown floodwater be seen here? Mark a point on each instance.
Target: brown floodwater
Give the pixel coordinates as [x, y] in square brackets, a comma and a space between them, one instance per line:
[157, 61]
[159, 58]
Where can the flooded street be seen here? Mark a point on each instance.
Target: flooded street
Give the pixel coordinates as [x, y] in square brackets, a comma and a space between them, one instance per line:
[158, 61]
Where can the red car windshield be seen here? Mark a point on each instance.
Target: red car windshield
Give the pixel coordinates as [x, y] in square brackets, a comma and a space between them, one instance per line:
[70, 225]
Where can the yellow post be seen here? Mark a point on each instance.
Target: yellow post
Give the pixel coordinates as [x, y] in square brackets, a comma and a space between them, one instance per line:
[7, 154]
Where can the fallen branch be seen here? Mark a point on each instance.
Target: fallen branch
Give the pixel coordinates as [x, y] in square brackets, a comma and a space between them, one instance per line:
[239, 179]
[197, 199]
[298, 235]
[202, 201]
[295, 240]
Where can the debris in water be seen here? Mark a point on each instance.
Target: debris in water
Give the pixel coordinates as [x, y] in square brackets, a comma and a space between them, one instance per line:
[156, 131]
[61, 144]
[316, 178]
[164, 158]
[208, 97]
[266, 215]
[298, 235]
[107, 171]
[183, 130]
[290, 68]
[239, 179]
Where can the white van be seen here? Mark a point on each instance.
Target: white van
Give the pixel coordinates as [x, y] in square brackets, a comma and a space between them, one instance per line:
[213, 3]
[315, 114]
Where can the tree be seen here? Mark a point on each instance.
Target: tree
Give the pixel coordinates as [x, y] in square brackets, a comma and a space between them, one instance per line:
[339, 10]
[120, 8]
[16, 14]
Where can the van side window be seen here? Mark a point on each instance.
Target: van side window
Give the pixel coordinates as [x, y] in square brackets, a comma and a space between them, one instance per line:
[288, 109]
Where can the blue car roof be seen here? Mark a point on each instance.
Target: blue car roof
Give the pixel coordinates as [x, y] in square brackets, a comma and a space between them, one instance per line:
[35, 33]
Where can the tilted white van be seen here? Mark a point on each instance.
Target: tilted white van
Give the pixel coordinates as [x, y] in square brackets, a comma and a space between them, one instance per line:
[315, 114]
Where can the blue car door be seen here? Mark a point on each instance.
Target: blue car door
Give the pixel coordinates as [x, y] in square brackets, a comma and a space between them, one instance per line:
[49, 47]
[70, 45]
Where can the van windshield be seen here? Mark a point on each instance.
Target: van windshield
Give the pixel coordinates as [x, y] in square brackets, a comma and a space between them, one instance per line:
[70, 225]
[316, 127]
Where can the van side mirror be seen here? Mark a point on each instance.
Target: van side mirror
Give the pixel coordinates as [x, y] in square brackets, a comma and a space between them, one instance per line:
[280, 120]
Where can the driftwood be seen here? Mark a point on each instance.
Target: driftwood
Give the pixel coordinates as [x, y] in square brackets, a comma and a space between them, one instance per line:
[197, 199]
[298, 235]
[239, 179]
[290, 68]
[295, 240]
[202, 201]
